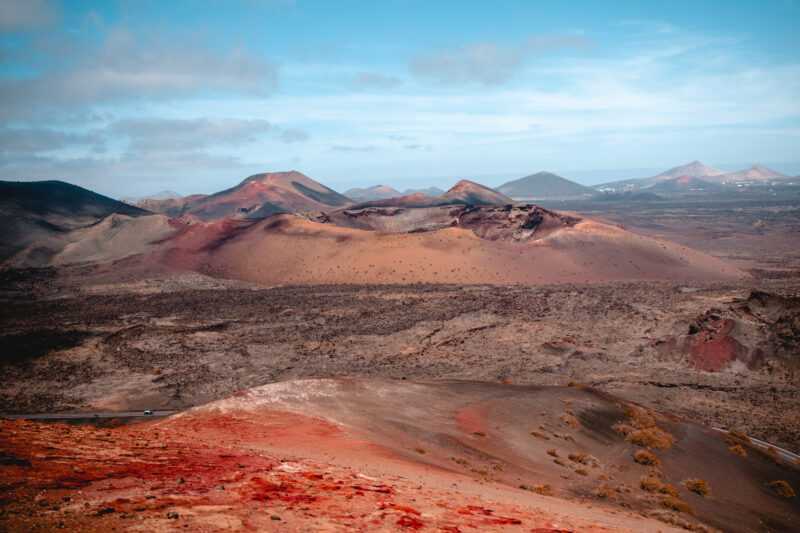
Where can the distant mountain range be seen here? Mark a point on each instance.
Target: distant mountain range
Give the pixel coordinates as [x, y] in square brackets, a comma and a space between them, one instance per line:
[696, 170]
[384, 192]
[544, 185]
[376, 192]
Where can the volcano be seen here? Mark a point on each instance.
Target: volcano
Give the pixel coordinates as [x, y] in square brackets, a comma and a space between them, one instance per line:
[265, 194]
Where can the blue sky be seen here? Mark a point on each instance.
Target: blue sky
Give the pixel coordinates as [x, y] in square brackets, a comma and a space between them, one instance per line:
[133, 97]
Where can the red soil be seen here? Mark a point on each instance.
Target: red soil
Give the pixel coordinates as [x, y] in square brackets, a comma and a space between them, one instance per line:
[713, 348]
[211, 472]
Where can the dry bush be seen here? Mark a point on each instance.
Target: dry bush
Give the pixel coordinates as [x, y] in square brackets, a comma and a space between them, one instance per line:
[652, 437]
[539, 435]
[640, 418]
[570, 420]
[738, 449]
[581, 471]
[603, 491]
[559, 462]
[734, 436]
[698, 486]
[650, 484]
[420, 451]
[646, 457]
[552, 452]
[623, 429]
[642, 429]
[668, 489]
[479, 433]
[544, 490]
[581, 458]
[782, 488]
[460, 461]
[676, 504]
[653, 484]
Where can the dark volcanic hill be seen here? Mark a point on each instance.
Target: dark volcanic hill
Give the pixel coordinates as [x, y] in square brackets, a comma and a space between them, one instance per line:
[35, 210]
[269, 193]
[544, 185]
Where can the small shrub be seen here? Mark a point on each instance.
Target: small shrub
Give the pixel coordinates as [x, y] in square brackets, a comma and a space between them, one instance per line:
[646, 457]
[782, 488]
[640, 418]
[652, 437]
[653, 484]
[698, 486]
[650, 484]
[559, 462]
[570, 420]
[676, 504]
[578, 458]
[581, 471]
[734, 436]
[460, 461]
[738, 449]
[539, 435]
[623, 429]
[479, 433]
[544, 490]
[603, 492]
[666, 488]
[552, 452]
[420, 451]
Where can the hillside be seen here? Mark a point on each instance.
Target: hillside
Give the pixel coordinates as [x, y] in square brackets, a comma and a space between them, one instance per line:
[37, 210]
[265, 194]
[544, 185]
[756, 173]
[695, 169]
[428, 191]
[376, 192]
[685, 185]
[469, 192]
[485, 247]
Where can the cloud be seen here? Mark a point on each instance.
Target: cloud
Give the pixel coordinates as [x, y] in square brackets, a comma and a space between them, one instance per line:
[152, 135]
[486, 63]
[128, 67]
[419, 147]
[375, 80]
[348, 148]
[22, 15]
[26, 141]
[293, 135]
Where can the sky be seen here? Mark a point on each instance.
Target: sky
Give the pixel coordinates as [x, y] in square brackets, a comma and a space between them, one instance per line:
[132, 97]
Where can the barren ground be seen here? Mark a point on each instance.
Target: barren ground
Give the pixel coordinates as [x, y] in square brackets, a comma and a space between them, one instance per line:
[116, 344]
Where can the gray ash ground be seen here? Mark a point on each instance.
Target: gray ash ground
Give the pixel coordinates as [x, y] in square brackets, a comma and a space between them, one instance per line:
[80, 340]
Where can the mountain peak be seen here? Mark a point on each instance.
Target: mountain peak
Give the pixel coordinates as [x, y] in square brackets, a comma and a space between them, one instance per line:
[544, 184]
[471, 192]
[694, 169]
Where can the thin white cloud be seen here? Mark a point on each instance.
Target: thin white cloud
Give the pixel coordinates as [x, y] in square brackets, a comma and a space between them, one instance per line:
[132, 67]
[375, 80]
[487, 63]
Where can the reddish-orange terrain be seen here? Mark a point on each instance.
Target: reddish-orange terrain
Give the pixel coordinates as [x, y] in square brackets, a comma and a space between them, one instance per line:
[366, 455]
